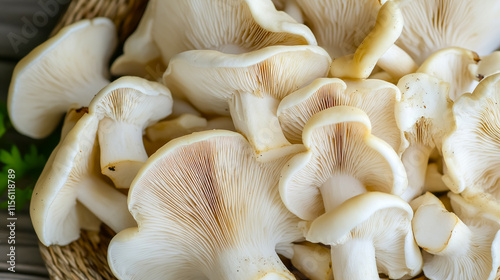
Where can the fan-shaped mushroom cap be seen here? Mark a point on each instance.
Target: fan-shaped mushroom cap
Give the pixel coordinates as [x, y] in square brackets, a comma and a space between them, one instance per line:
[369, 234]
[424, 115]
[206, 209]
[68, 69]
[70, 176]
[454, 66]
[471, 149]
[461, 246]
[248, 86]
[125, 108]
[431, 25]
[343, 160]
[229, 26]
[376, 98]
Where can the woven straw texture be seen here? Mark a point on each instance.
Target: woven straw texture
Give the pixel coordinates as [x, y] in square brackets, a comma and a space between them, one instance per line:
[124, 13]
[82, 259]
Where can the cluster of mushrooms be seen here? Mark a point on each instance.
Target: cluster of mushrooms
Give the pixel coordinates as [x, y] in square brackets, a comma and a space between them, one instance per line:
[244, 132]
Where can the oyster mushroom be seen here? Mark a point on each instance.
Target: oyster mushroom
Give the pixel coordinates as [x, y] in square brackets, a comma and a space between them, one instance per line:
[65, 71]
[206, 209]
[248, 86]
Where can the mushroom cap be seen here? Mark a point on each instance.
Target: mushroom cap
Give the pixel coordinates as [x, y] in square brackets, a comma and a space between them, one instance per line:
[205, 208]
[70, 67]
[471, 149]
[376, 98]
[214, 77]
[453, 65]
[458, 246]
[235, 26]
[53, 205]
[339, 26]
[125, 108]
[433, 25]
[424, 112]
[384, 219]
[339, 142]
[133, 100]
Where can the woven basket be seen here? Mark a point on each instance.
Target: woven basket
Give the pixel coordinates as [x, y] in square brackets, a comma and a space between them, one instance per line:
[86, 258]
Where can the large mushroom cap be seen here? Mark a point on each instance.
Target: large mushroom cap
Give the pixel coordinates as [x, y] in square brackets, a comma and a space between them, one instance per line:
[206, 209]
[229, 26]
[69, 68]
[431, 25]
[471, 149]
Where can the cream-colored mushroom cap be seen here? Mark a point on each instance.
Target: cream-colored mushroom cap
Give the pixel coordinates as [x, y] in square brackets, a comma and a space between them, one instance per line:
[471, 150]
[125, 108]
[343, 160]
[229, 26]
[248, 86]
[369, 234]
[313, 260]
[456, 67]
[206, 209]
[65, 71]
[424, 115]
[431, 25]
[460, 245]
[376, 98]
[70, 175]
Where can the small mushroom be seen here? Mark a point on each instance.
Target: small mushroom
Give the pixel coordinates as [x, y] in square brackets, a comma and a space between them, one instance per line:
[72, 175]
[206, 209]
[248, 86]
[457, 246]
[369, 234]
[343, 159]
[313, 260]
[65, 71]
[424, 115]
[454, 66]
[125, 108]
[376, 98]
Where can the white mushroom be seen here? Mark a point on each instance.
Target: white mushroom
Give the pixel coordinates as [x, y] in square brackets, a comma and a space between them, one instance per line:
[248, 86]
[206, 209]
[431, 25]
[424, 115]
[229, 26]
[70, 175]
[369, 234]
[125, 108]
[471, 150]
[376, 98]
[65, 71]
[457, 246]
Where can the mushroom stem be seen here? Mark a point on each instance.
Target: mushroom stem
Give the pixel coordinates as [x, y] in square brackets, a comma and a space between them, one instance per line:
[248, 264]
[108, 204]
[255, 117]
[122, 151]
[339, 188]
[354, 259]
[415, 159]
[397, 62]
